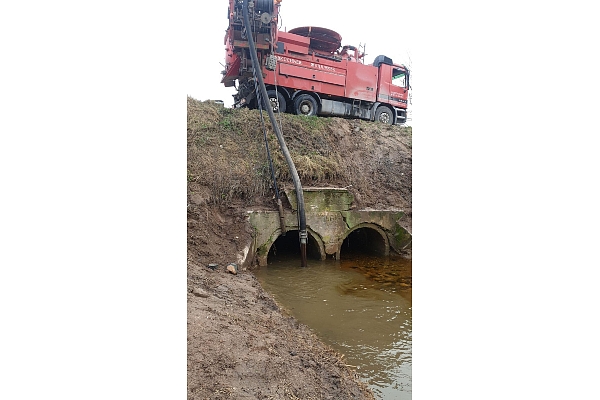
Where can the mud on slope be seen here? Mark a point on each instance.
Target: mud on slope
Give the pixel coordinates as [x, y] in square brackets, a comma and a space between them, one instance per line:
[240, 345]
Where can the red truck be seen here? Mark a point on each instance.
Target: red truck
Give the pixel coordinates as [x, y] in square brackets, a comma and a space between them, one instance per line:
[308, 72]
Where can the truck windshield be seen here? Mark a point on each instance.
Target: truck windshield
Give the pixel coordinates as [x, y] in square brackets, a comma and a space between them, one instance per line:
[398, 78]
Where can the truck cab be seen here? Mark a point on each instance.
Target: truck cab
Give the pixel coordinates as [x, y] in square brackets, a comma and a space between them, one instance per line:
[392, 86]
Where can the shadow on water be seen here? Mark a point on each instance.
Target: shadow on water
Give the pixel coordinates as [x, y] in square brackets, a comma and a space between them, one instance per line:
[360, 305]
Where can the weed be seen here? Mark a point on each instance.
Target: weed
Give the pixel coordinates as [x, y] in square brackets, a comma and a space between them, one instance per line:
[313, 123]
[226, 123]
[190, 176]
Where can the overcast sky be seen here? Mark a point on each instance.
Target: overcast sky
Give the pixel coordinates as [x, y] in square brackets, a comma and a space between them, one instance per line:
[382, 27]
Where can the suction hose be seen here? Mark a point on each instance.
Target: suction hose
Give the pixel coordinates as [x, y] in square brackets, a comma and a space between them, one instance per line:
[265, 98]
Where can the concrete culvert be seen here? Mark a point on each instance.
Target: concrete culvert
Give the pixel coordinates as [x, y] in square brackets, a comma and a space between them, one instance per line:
[364, 241]
[288, 247]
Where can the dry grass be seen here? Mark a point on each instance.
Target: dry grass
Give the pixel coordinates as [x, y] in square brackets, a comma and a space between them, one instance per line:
[227, 155]
[224, 154]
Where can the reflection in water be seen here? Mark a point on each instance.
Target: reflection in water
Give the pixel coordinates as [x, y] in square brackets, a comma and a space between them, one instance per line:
[361, 306]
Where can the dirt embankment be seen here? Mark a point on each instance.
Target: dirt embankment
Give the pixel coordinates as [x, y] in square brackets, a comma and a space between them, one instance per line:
[240, 344]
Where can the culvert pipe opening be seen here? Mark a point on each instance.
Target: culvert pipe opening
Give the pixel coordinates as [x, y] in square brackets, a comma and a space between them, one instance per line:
[363, 241]
[286, 247]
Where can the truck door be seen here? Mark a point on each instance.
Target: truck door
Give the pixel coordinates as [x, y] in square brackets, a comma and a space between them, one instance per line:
[385, 79]
[393, 86]
[399, 87]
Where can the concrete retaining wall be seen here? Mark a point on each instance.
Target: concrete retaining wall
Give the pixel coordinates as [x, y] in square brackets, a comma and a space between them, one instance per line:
[329, 221]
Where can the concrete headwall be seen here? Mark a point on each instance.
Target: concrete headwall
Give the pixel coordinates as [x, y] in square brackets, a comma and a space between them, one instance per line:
[329, 220]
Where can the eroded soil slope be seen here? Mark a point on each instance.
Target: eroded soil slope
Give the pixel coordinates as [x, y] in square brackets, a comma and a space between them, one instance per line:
[240, 345]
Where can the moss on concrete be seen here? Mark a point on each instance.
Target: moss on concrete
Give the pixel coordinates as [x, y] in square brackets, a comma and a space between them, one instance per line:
[322, 199]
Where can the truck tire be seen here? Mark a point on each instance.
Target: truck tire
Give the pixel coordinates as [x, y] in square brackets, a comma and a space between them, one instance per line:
[384, 115]
[277, 101]
[305, 104]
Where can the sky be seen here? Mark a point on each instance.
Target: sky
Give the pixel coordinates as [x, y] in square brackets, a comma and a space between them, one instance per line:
[385, 33]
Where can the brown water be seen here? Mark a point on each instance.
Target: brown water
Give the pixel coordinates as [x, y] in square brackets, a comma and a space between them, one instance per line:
[360, 306]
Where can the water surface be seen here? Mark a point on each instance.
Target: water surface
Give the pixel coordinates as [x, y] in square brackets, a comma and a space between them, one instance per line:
[361, 306]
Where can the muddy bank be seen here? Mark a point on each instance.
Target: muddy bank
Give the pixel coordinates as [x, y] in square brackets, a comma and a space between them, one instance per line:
[240, 344]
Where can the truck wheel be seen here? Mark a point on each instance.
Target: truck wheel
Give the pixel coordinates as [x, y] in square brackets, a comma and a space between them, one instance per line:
[277, 101]
[305, 105]
[384, 115]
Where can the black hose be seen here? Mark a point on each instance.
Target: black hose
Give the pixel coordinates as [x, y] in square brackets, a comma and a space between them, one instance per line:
[262, 122]
[265, 98]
